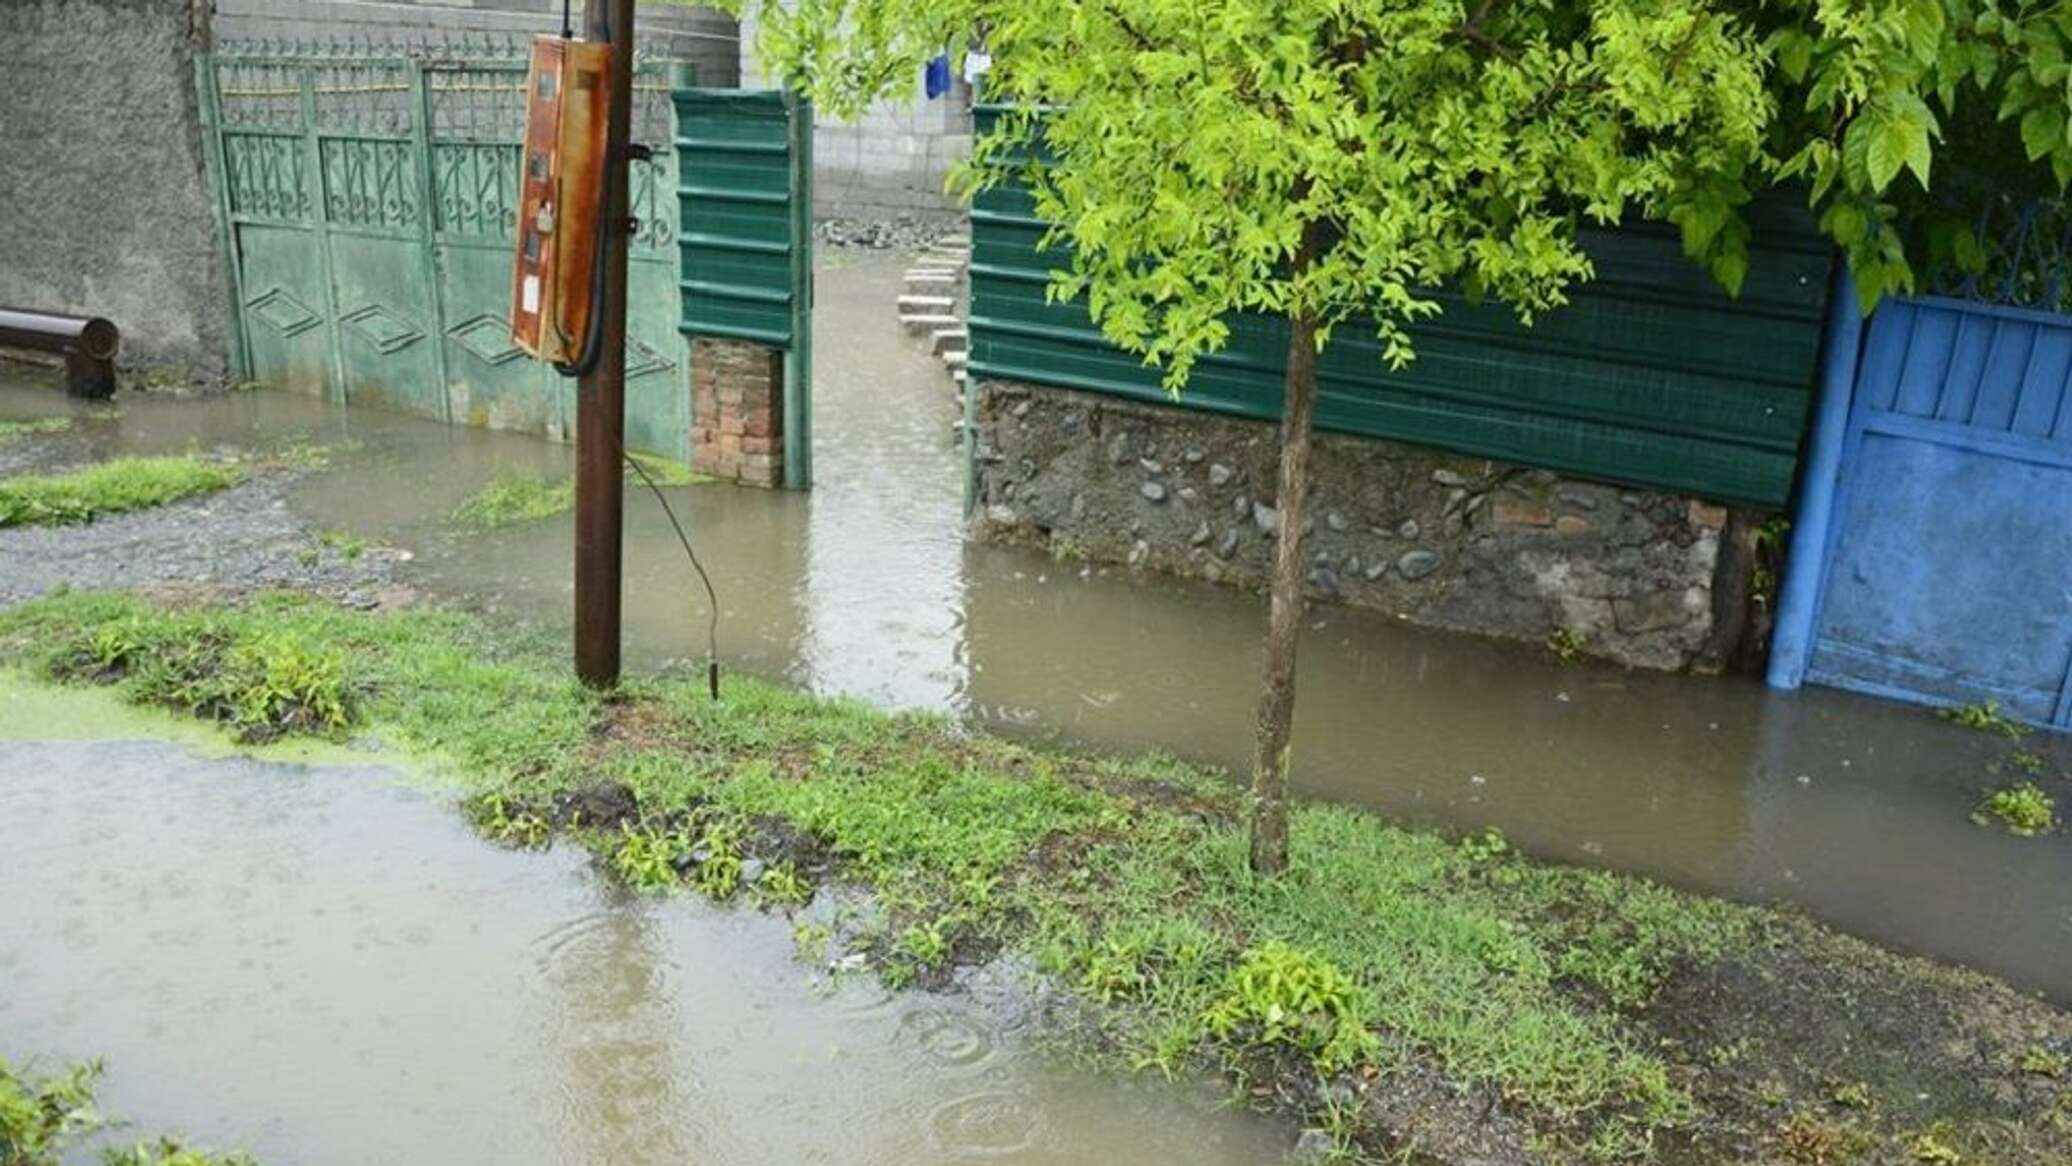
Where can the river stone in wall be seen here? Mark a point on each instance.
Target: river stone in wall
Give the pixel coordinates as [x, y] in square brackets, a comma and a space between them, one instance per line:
[1441, 540]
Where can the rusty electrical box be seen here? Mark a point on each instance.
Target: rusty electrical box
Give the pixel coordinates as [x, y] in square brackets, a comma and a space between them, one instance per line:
[560, 197]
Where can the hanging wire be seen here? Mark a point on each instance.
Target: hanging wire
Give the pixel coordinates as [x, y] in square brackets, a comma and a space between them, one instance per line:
[711, 596]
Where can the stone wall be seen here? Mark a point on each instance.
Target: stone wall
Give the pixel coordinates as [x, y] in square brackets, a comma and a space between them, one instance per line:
[737, 411]
[103, 204]
[704, 36]
[1440, 540]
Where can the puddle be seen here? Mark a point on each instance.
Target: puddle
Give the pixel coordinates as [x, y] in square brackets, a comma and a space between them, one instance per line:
[324, 966]
[1854, 809]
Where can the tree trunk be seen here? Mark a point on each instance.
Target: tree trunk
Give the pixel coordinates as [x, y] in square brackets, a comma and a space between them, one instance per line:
[1285, 607]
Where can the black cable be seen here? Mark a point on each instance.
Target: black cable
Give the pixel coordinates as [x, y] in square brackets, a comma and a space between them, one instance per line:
[711, 596]
[568, 30]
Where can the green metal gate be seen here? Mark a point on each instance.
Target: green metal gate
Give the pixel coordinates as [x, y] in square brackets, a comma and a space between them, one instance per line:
[366, 197]
[745, 193]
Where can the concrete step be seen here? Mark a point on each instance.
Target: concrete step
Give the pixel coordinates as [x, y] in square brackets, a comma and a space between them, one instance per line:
[927, 321]
[951, 339]
[926, 303]
[959, 240]
[920, 276]
[956, 359]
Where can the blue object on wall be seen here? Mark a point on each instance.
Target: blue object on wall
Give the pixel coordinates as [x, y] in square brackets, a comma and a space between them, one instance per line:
[1945, 574]
[935, 77]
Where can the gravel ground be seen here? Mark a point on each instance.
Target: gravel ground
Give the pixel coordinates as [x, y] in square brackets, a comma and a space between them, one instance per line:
[241, 539]
[899, 233]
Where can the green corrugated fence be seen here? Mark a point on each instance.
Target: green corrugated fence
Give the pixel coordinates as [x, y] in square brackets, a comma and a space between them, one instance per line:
[1652, 375]
[739, 202]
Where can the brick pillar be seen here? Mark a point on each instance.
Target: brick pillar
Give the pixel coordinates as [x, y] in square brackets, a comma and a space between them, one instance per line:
[737, 411]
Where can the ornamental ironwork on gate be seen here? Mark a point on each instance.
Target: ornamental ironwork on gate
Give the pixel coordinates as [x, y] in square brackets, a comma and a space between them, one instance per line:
[366, 195]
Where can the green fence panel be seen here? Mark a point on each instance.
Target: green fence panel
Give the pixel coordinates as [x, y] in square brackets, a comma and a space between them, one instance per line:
[744, 163]
[368, 195]
[740, 205]
[1652, 375]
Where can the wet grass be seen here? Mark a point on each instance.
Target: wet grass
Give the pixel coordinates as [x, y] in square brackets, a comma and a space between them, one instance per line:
[1386, 957]
[110, 487]
[44, 1118]
[516, 497]
[36, 427]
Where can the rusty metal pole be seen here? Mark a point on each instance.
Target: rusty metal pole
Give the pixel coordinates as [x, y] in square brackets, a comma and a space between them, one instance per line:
[601, 393]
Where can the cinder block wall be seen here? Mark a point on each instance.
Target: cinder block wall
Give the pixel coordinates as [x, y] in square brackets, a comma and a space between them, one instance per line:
[892, 160]
[103, 204]
[704, 36]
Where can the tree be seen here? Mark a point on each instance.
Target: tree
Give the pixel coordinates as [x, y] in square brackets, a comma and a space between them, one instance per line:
[1326, 161]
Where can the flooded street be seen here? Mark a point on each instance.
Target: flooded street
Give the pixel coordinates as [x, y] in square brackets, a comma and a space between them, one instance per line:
[326, 967]
[1854, 809]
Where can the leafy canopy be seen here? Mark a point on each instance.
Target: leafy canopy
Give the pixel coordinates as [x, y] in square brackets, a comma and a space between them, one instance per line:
[1186, 144]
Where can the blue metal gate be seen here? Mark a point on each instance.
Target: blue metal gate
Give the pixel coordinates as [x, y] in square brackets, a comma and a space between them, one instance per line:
[1938, 565]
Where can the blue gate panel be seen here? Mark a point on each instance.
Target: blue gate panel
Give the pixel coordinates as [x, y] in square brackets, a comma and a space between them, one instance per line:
[1948, 573]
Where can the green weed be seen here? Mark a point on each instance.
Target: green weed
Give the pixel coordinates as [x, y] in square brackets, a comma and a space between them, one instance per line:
[514, 498]
[344, 544]
[1851, 1095]
[1566, 644]
[43, 1120]
[646, 859]
[780, 885]
[1929, 1146]
[262, 685]
[35, 427]
[667, 471]
[1986, 717]
[2024, 809]
[39, 1116]
[170, 1152]
[110, 487]
[2028, 761]
[501, 820]
[2042, 1062]
[1280, 994]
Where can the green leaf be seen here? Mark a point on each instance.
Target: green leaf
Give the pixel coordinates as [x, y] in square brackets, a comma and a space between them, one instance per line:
[1886, 152]
[2043, 131]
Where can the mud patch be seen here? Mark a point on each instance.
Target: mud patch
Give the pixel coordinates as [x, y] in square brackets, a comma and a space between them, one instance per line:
[1813, 1044]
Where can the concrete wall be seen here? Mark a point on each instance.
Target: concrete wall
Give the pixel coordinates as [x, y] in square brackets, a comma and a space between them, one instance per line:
[103, 203]
[1445, 541]
[892, 160]
[701, 35]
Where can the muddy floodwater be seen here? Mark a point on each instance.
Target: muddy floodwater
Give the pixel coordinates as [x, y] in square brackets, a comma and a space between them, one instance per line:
[326, 967]
[1856, 810]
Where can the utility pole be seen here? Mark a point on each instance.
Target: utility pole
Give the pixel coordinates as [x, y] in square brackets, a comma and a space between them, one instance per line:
[601, 392]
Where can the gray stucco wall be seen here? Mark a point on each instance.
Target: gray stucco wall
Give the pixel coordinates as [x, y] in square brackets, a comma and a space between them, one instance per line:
[1437, 539]
[103, 203]
[703, 36]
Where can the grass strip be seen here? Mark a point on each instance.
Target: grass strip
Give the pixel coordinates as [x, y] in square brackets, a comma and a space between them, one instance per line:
[1385, 956]
[110, 487]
